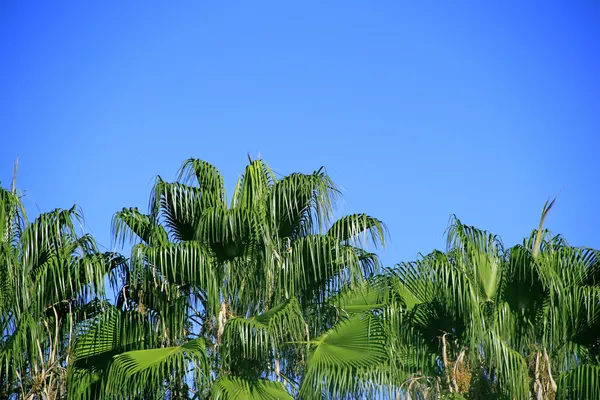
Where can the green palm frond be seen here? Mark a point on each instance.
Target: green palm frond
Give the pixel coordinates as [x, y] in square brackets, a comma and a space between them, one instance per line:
[228, 232]
[179, 207]
[184, 263]
[482, 256]
[590, 258]
[235, 388]
[582, 382]
[139, 371]
[539, 234]
[524, 289]
[108, 333]
[253, 186]
[413, 282]
[108, 356]
[298, 203]
[206, 176]
[336, 358]
[318, 264]
[358, 229]
[258, 335]
[364, 296]
[129, 223]
[576, 318]
[12, 217]
[14, 348]
[50, 229]
[508, 365]
[99, 338]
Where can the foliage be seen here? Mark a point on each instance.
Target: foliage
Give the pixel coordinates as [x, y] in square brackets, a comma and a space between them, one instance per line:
[264, 295]
[247, 283]
[51, 276]
[483, 321]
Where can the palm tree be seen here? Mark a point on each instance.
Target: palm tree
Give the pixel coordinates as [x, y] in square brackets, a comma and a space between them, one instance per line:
[482, 321]
[51, 277]
[235, 301]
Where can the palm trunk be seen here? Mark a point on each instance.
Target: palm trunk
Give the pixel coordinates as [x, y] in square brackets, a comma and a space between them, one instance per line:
[537, 385]
[221, 320]
[277, 370]
[552, 382]
[452, 386]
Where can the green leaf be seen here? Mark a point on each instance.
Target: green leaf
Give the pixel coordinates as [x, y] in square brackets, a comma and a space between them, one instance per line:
[208, 178]
[141, 370]
[359, 229]
[364, 296]
[129, 222]
[236, 388]
[259, 334]
[582, 382]
[353, 344]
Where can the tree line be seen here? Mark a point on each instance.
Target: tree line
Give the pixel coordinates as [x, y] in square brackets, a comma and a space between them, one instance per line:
[264, 295]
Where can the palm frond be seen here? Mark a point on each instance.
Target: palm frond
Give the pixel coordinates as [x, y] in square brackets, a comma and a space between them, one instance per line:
[253, 186]
[318, 264]
[140, 371]
[228, 232]
[335, 358]
[259, 335]
[129, 224]
[184, 263]
[358, 229]
[98, 339]
[582, 382]
[298, 203]
[482, 256]
[206, 176]
[510, 368]
[230, 387]
[179, 207]
[539, 234]
[364, 296]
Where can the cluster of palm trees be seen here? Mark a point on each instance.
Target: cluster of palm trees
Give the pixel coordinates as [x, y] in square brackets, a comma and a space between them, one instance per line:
[263, 295]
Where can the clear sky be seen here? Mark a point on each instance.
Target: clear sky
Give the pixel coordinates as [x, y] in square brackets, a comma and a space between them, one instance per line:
[418, 109]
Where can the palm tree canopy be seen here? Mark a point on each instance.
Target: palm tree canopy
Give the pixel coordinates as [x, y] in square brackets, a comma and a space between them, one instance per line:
[234, 290]
[264, 295]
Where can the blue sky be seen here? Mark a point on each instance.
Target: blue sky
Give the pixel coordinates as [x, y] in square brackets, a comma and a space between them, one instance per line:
[418, 110]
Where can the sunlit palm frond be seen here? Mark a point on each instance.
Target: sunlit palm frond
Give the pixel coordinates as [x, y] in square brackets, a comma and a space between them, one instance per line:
[336, 357]
[184, 263]
[147, 370]
[539, 234]
[207, 177]
[12, 217]
[364, 296]
[510, 368]
[358, 229]
[230, 387]
[98, 339]
[130, 224]
[51, 229]
[228, 232]
[482, 257]
[253, 186]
